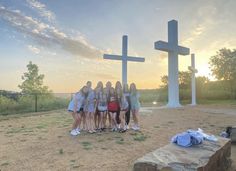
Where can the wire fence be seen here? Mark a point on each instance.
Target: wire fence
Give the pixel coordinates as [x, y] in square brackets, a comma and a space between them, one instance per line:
[13, 103]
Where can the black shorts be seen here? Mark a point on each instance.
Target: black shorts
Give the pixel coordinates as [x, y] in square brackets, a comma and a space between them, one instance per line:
[113, 111]
[102, 110]
[80, 110]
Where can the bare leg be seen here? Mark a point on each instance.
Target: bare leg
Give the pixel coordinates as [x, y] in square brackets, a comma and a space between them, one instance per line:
[78, 123]
[134, 116]
[74, 125]
[96, 119]
[122, 119]
[137, 117]
[109, 117]
[101, 120]
[105, 119]
[114, 120]
[84, 121]
[81, 120]
[88, 121]
[92, 121]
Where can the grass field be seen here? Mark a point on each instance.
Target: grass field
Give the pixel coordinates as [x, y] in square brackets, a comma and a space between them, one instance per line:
[45, 102]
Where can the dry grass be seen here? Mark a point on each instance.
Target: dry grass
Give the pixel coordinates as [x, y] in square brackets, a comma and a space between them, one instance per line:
[42, 141]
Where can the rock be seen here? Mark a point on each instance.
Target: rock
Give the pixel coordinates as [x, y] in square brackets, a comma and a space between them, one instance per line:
[208, 156]
[233, 134]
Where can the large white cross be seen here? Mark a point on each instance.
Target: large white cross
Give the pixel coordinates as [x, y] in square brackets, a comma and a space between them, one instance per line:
[124, 58]
[173, 50]
[193, 71]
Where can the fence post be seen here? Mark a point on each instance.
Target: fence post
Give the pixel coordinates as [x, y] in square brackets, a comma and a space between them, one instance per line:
[36, 103]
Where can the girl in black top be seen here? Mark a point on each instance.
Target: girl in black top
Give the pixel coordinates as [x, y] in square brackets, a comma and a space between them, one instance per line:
[126, 93]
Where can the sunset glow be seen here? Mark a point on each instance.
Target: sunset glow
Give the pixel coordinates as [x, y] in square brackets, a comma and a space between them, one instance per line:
[68, 43]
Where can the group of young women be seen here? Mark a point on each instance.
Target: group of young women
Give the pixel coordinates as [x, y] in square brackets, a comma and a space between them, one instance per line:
[91, 109]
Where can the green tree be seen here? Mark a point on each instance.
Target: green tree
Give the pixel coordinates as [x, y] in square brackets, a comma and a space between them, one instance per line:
[33, 81]
[223, 67]
[184, 80]
[164, 80]
[201, 81]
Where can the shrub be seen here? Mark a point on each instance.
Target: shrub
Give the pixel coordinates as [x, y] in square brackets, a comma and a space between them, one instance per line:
[26, 103]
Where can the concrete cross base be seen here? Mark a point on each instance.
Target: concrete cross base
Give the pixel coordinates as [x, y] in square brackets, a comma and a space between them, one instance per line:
[192, 104]
[208, 156]
[177, 105]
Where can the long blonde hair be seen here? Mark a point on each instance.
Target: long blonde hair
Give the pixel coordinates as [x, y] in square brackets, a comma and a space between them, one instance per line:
[85, 94]
[133, 89]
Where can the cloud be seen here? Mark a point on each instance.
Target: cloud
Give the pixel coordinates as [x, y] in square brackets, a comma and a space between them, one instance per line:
[41, 9]
[33, 49]
[199, 30]
[194, 34]
[204, 20]
[47, 35]
[106, 76]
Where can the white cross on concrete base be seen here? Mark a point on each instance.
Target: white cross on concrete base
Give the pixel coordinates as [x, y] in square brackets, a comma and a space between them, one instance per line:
[193, 71]
[124, 58]
[173, 50]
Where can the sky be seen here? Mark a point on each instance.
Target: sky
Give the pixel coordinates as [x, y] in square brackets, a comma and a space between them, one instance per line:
[67, 38]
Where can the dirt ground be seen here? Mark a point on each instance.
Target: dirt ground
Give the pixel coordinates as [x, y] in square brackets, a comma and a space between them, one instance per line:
[42, 141]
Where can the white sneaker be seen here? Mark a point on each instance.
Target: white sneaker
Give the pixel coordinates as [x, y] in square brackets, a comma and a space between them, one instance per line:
[137, 128]
[77, 130]
[127, 127]
[73, 132]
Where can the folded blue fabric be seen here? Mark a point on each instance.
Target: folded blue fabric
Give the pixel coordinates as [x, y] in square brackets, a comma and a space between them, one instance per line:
[187, 139]
[182, 139]
[192, 137]
[197, 137]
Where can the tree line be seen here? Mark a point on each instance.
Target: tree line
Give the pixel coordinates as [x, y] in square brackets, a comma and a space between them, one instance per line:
[223, 67]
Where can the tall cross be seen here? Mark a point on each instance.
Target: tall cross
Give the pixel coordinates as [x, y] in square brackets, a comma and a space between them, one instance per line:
[124, 58]
[173, 50]
[193, 71]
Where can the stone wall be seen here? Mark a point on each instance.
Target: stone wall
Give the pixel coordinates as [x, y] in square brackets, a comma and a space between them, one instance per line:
[233, 134]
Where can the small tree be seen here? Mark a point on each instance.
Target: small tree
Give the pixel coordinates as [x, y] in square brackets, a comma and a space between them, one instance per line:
[33, 81]
[223, 67]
